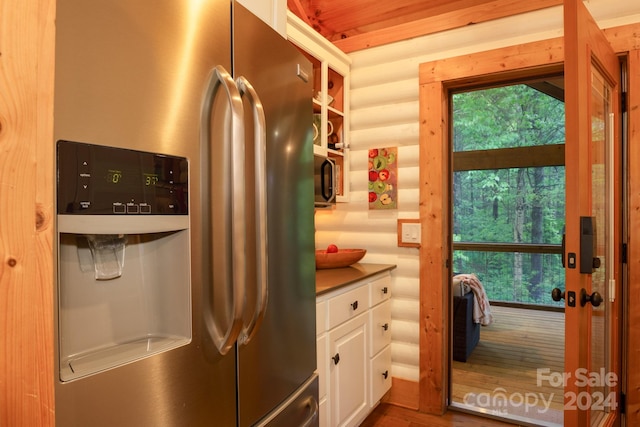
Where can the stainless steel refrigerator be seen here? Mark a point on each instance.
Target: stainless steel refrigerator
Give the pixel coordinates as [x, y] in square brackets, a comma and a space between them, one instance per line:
[223, 99]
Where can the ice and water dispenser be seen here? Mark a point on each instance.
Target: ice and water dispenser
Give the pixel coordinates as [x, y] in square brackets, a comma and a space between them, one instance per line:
[123, 256]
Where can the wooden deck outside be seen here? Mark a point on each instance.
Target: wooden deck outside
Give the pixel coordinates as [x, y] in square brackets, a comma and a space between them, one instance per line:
[502, 376]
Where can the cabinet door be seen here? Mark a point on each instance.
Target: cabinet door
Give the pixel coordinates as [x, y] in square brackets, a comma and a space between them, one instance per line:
[380, 327]
[331, 82]
[348, 371]
[273, 12]
[380, 375]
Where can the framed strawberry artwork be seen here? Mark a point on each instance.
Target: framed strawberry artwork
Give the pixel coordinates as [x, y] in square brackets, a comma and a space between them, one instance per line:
[383, 178]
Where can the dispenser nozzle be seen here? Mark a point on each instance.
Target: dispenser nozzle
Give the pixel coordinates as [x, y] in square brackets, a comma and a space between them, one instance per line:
[108, 254]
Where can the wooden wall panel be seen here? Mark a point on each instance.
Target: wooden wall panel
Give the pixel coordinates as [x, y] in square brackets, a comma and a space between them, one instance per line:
[442, 22]
[26, 212]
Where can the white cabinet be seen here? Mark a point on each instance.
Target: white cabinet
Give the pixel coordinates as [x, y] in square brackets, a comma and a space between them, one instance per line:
[380, 338]
[380, 327]
[273, 12]
[331, 79]
[348, 360]
[380, 375]
[322, 350]
[354, 354]
[348, 305]
[323, 356]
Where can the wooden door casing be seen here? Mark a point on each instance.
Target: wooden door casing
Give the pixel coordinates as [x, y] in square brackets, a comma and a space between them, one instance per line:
[26, 212]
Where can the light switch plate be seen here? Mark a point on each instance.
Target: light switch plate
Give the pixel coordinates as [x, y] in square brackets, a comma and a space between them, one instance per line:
[409, 233]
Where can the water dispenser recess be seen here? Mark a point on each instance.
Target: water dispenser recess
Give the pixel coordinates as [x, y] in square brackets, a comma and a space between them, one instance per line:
[124, 290]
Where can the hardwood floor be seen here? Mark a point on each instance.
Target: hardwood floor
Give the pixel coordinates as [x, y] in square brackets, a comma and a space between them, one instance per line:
[386, 415]
[502, 374]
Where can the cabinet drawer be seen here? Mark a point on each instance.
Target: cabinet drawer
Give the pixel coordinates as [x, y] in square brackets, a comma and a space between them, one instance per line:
[380, 317]
[380, 375]
[321, 317]
[348, 305]
[380, 289]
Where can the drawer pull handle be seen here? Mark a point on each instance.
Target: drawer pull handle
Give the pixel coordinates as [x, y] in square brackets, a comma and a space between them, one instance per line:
[384, 290]
[354, 305]
[336, 358]
[385, 326]
[385, 374]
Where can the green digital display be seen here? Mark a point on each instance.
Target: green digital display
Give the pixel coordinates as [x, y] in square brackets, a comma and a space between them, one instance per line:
[114, 176]
[150, 179]
[117, 176]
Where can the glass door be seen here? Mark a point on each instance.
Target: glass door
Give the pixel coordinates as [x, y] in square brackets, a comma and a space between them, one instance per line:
[591, 377]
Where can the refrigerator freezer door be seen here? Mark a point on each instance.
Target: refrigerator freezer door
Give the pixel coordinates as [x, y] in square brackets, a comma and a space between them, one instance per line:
[132, 74]
[301, 409]
[281, 356]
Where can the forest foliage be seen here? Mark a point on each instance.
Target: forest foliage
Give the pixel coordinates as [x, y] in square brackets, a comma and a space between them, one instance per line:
[514, 205]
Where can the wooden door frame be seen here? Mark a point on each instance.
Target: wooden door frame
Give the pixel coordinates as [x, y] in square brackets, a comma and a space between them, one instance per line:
[436, 79]
[27, 181]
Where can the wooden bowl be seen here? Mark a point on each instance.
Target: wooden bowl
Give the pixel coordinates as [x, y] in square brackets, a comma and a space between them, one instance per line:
[342, 258]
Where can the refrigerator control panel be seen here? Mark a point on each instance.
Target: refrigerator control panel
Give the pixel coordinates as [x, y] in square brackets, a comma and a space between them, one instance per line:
[100, 180]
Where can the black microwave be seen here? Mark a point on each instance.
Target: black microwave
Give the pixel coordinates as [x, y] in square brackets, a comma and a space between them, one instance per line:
[324, 177]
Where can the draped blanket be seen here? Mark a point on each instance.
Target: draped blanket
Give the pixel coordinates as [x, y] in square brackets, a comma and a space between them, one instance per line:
[481, 308]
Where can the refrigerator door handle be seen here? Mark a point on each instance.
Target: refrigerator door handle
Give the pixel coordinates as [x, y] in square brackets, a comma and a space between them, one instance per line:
[225, 340]
[260, 167]
[312, 404]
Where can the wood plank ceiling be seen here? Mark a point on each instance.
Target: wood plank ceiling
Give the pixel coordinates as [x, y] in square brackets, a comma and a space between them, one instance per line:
[359, 24]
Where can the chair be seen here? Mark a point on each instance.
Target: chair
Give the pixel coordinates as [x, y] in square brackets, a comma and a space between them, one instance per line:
[466, 333]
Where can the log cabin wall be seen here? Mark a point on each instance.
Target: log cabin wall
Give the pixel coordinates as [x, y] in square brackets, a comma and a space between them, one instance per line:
[385, 113]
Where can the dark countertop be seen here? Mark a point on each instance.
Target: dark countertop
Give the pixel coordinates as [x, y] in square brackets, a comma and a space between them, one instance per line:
[333, 278]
